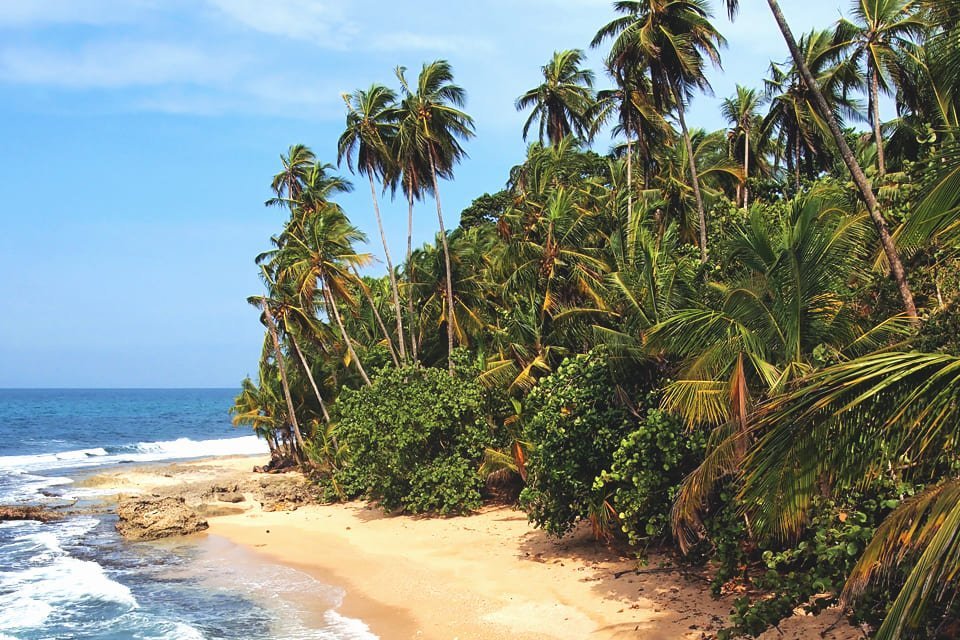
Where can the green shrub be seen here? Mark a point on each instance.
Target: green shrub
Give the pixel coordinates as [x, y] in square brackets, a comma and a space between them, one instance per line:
[415, 439]
[646, 473]
[575, 426]
[809, 573]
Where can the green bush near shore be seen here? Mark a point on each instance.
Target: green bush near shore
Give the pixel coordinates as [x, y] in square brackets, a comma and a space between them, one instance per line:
[415, 438]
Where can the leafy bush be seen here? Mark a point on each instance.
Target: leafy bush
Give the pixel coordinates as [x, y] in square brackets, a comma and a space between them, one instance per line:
[415, 439]
[575, 426]
[646, 473]
[810, 573]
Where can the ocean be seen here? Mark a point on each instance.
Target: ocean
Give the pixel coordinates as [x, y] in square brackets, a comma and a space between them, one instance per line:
[76, 578]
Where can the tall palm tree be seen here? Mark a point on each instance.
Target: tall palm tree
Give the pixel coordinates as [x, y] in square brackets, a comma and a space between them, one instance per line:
[633, 107]
[671, 38]
[856, 171]
[369, 135]
[742, 112]
[880, 31]
[563, 103]
[434, 124]
[803, 133]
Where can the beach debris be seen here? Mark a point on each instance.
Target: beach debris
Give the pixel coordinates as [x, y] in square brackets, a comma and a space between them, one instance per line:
[152, 517]
[23, 512]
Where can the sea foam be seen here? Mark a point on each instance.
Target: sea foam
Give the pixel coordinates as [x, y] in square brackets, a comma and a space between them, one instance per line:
[181, 448]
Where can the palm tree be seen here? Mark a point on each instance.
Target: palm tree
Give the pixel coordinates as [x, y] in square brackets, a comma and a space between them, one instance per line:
[882, 29]
[636, 115]
[742, 112]
[321, 253]
[433, 124]
[803, 134]
[670, 38]
[563, 103]
[288, 183]
[888, 412]
[370, 132]
[263, 303]
[787, 302]
[856, 171]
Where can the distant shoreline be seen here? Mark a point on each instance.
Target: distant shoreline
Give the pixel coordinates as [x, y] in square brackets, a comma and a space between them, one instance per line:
[485, 576]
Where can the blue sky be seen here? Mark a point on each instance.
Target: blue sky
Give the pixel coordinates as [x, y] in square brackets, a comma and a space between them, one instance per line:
[139, 138]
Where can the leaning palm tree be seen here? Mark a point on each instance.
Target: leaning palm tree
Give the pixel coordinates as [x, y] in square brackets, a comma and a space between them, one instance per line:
[433, 124]
[264, 303]
[562, 104]
[671, 38]
[856, 171]
[742, 113]
[880, 31]
[369, 136]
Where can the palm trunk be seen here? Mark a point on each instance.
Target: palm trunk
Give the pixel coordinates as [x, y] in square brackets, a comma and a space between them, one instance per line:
[875, 116]
[393, 276]
[746, 168]
[629, 170]
[694, 176]
[332, 304]
[313, 383]
[380, 322]
[271, 325]
[411, 318]
[446, 260]
[896, 267]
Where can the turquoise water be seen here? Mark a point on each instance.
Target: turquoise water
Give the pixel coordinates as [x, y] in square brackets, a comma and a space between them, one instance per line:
[77, 579]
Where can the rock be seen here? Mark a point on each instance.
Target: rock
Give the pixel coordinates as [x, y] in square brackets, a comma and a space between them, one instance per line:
[232, 496]
[152, 517]
[27, 513]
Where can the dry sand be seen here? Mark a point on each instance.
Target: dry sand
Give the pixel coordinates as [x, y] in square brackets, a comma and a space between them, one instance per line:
[484, 576]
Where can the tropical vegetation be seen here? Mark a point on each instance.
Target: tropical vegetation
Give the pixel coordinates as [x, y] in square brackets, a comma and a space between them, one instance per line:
[737, 346]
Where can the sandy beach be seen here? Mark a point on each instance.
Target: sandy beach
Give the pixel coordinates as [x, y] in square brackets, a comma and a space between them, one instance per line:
[485, 576]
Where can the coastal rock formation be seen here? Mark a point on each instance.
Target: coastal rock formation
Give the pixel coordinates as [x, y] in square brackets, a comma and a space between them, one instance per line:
[152, 517]
[27, 513]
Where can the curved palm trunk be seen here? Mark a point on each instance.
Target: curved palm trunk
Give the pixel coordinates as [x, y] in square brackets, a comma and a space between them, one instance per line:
[393, 276]
[411, 317]
[332, 304]
[896, 267]
[875, 116]
[380, 322]
[271, 325]
[446, 260]
[694, 176]
[313, 383]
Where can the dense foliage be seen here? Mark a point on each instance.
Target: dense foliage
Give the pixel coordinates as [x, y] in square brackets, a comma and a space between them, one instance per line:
[576, 424]
[415, 438]
[740, 341]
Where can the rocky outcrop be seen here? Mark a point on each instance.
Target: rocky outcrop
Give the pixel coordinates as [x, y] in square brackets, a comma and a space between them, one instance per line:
[28, 513]
[152, 517]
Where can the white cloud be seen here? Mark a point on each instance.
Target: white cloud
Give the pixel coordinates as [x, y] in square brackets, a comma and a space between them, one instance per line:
[322, 22]
[116, 65]
[20, 13]
[407, 41]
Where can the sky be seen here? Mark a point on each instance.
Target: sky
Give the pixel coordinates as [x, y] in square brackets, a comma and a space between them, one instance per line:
[138, 139]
